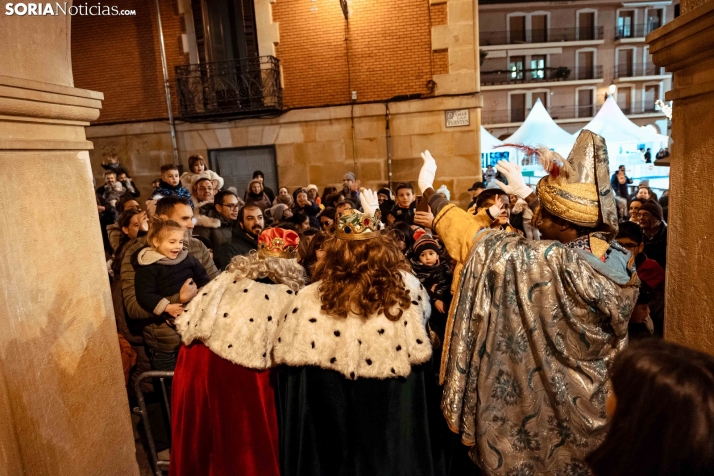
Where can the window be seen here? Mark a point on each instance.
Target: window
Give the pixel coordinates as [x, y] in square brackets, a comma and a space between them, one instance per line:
[517, 29]
[542, 95]
[654, 20]
[625, 60]
[651, 94]
[516, 66]
[626, 24]
[539, 28]
[585, 103]
[518, 107]
[537, 66]
[225, 29]
[624, 99]
[586, 26]
[586, 65]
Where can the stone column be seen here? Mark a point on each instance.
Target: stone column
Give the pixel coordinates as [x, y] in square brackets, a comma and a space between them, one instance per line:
[685, 47]
[63, 406]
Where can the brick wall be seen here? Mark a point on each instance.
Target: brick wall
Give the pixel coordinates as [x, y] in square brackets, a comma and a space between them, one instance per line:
[389, 50]
[389, 54]
[120, 56]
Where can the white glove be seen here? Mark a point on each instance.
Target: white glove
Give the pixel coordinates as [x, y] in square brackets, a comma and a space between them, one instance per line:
[516, 184]
[369, 200]
[427, 173]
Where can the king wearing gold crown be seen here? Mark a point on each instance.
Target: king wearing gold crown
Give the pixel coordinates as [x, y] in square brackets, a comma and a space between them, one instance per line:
[223, 409]
[534, 325]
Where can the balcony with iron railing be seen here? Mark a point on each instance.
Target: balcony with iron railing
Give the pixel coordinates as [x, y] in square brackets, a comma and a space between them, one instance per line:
[505, 116]
[549, 35]
[540, 75]
[242, 87]
[635, 31]
[515, 115]
[629, 70]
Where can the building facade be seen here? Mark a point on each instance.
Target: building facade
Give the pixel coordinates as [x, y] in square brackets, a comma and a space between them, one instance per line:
[304, 90]
[570, 55]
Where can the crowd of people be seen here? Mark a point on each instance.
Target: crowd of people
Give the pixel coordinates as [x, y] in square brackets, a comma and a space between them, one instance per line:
[390, 332]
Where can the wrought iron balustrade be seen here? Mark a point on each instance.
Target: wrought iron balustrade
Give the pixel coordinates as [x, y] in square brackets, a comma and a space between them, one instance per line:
[504, 116]
[587, 112]
[547, 35]
[635, 31]
[537, 75]
[246, 86]
[629, 70]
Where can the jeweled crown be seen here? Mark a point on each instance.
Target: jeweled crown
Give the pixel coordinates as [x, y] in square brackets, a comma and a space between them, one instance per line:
[278, 243]
[355, 225]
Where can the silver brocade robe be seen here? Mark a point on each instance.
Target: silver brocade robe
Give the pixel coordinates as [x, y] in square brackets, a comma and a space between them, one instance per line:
[536, 325]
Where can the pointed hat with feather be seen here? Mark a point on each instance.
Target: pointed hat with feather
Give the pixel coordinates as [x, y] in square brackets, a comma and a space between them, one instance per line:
[578, 189]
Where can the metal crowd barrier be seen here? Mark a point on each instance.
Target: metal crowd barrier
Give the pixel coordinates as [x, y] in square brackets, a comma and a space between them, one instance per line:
[159, 466]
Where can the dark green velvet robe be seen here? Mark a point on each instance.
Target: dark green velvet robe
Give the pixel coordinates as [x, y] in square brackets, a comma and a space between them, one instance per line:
[332, 426]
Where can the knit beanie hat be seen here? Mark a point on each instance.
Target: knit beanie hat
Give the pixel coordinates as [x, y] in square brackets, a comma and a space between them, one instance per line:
[385, 191]
[443, 189]
[425, 242]
[284, 199]
[654, 208]
[276, 212]
[311, 187]
[349, 176]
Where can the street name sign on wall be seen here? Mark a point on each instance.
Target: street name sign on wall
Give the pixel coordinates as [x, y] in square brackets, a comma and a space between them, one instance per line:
[457, 117]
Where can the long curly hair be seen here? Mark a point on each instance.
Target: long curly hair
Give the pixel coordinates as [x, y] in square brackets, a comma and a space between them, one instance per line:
[278, 270]
[362, 278]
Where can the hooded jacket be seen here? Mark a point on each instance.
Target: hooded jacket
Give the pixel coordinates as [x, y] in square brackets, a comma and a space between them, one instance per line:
[158, 277]
[157, 334]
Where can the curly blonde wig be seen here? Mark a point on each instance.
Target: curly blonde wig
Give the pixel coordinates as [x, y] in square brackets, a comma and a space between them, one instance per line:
[278, 270]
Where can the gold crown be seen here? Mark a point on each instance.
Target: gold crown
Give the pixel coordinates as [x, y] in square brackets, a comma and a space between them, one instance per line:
[355, 225]
[278, 243]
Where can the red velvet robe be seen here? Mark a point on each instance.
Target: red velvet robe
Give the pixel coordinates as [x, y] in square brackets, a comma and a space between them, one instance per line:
[223, 417]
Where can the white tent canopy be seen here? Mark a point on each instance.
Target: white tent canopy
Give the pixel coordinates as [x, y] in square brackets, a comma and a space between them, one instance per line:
[539, 129]
[611, 123]
[488, 141]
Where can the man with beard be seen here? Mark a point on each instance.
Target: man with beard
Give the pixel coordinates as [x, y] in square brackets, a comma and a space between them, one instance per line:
[160, 337]
[534, 324]
[248, 226]
[223, 409]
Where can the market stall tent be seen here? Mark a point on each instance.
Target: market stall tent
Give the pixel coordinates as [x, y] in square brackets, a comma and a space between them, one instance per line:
[539, 129]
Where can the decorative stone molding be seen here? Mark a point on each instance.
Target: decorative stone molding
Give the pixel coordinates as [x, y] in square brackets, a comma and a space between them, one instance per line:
[35, 115]
[268, 31]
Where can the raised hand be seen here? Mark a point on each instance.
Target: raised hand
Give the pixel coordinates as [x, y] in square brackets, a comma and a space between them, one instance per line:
[370, 201]
[516, 184]
[427, 172]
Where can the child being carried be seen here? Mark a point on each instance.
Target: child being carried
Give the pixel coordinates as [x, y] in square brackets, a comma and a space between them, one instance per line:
[163, 267]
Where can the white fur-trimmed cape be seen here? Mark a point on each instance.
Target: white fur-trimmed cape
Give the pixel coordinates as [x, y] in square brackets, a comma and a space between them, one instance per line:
[357, 347]
[236, 319]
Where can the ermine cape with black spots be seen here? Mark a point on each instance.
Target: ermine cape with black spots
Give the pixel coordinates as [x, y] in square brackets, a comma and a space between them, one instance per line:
[223, 405]
[236, 318]
[352, 392]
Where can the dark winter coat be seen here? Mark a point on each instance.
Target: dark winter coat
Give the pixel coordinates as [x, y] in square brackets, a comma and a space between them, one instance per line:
[117, 168]
[656, 247]
[311, 211]
[154, 283]
[404, 214]
[260, 200]
[437, 281]
[240, 244]
[216, 229]
[165, 189]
